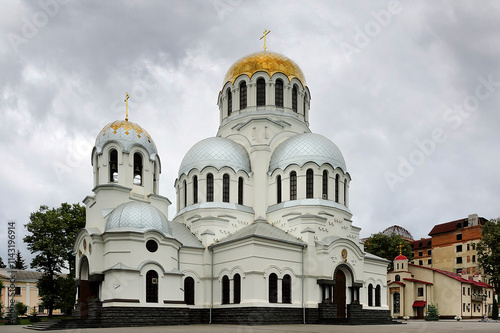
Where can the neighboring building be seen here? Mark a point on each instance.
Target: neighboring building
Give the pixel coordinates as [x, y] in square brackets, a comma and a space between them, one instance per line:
[263, 231]
[397, 230]
[412, 288]
[422, 252]
[453, 245]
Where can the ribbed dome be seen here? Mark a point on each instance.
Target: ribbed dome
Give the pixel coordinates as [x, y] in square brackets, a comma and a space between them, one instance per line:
[306, 147]
[141, 216]
[401, 257]
[216, 152]
[268, 62]
[127, 134]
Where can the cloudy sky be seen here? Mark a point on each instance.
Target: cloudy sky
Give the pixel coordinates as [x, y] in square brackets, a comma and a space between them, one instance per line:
[409, 91]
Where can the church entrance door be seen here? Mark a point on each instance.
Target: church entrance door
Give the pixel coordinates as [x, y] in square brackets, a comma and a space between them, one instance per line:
[420, 312]
[152, 287]
[339, 294]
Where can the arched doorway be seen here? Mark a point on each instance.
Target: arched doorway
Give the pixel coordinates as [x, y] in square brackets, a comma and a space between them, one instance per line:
[84, 289]
[152, 287]
[339, 297]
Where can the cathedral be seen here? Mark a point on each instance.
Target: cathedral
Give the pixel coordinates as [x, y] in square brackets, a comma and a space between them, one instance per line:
[262, 233]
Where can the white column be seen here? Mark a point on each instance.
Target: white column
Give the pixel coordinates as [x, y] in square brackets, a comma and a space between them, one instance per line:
[280, 289]
[28, 297]
[231, 291]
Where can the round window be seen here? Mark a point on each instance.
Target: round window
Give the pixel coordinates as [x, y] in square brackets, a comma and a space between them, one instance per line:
[151, 245]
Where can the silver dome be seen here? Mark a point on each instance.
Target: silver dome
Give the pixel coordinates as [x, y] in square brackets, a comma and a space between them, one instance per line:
[137, 215]
[127, 134]
[306, 147]
[216, 152]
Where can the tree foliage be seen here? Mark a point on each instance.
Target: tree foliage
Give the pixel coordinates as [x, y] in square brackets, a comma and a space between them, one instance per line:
[432, 313]
[52, 234]
[488, 252]
[20, 262]
[387, 247]
[21, 308]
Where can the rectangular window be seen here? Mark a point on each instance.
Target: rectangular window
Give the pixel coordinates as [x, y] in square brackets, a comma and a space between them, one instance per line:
[420, 262]
[473, 258]
[420, 292]
[468, 247]
[463, 307]
[420, 253]
[459, 260]
[429, 261]
[429, 252]
[459, 248]
[18, 291]
[459, 236]
[468, 291]
[463, 291]
[293, 185]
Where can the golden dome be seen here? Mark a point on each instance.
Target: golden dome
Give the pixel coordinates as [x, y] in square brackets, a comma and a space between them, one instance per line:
[127, 126]
[268, 62]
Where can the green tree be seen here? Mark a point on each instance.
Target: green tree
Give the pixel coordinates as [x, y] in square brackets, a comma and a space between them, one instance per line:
[20, 262]
[432, 313]
[387, 247]
[2, 265]
[21, 308]
[488, 252]
[52, 234]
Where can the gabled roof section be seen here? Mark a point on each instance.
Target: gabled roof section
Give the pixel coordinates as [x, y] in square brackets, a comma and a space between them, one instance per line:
[453, 225]
[417, 281]
[456, 276]
[184, 235]
[260, 228]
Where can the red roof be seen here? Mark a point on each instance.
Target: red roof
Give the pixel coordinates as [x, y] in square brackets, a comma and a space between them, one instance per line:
[418, 304]
[417, 281]
[457, 277]
[401, 257]
[397, 282]
[451, 226]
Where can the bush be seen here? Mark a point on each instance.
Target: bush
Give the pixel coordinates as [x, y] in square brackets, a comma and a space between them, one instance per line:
[21, 308]
[432, 313]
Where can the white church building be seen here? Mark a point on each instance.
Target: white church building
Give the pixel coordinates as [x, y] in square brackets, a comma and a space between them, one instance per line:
[262, 233]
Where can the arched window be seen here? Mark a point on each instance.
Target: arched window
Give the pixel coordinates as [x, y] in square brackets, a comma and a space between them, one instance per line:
[243, 95]
[278, 92]
[278, 189]
[345, 192]
[225, 290]
[210, 187]
[304, 109]
[337, 178]
[294, 98]
[286, 289]
[273, 288]
[113, 165]
[325, 185]
[229, 102]
[189, 290]
[309, 184]
[152, 287]
[261, 92]
[237, 288]
[225, 188]
[397, 278]
[137, 169]
[240, 191]
[293, 185]
[377, 295]
[195, 189]
[370, 295]
[184, 185]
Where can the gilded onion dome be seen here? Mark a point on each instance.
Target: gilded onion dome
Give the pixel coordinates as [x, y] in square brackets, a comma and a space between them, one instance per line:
[127, 134]
[268, 62]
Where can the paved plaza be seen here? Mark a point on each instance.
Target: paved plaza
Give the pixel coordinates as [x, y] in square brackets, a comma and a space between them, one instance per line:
[413, 326]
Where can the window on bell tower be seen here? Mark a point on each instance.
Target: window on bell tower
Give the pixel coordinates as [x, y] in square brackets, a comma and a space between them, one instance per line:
[113, 166]
[137, 169]
[278, 92]
[229, 102]
[243, 95]
[294, 98]
[261, 92]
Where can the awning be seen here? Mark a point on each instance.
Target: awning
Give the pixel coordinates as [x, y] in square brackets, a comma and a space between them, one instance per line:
[418, 304]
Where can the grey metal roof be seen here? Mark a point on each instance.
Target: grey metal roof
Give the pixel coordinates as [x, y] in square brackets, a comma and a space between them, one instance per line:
[261, 229]
[306, 147]
[184, 235]
[127, 134]
[137, 215]
[217, 152]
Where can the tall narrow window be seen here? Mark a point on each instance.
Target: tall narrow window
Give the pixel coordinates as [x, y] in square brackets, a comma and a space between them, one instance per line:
[278, 92]
[273, 288]
[240, 191]
[337, 178]
[370, 295]
[237, 289]
[286, 289]
[345, 192]
[325, 185]
[184, 185]
[225, 290]
[113, 165]
[377, 295]
[137, 169]
[225, 188]
[195, 189]
[152, 287]
[189, 290]
[309, 184]
[229, 102]
[294, 98]
[210, 187]
[261, 92]
[293, 185]
[243, 95]
[278, 189]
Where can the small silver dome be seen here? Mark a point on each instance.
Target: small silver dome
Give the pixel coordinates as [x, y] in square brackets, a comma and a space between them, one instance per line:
[216, 152]
[127, 134]
[306, 147]
[137, 215]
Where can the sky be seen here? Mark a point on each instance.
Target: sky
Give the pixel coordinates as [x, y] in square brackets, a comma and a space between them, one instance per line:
[406, 89]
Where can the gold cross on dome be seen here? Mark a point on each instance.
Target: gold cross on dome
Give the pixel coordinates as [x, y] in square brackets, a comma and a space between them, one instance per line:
[400, 247]
[264, 36]
[127, 96]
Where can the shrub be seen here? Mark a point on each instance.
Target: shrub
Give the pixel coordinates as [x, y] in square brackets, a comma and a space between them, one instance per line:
[432, 313]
